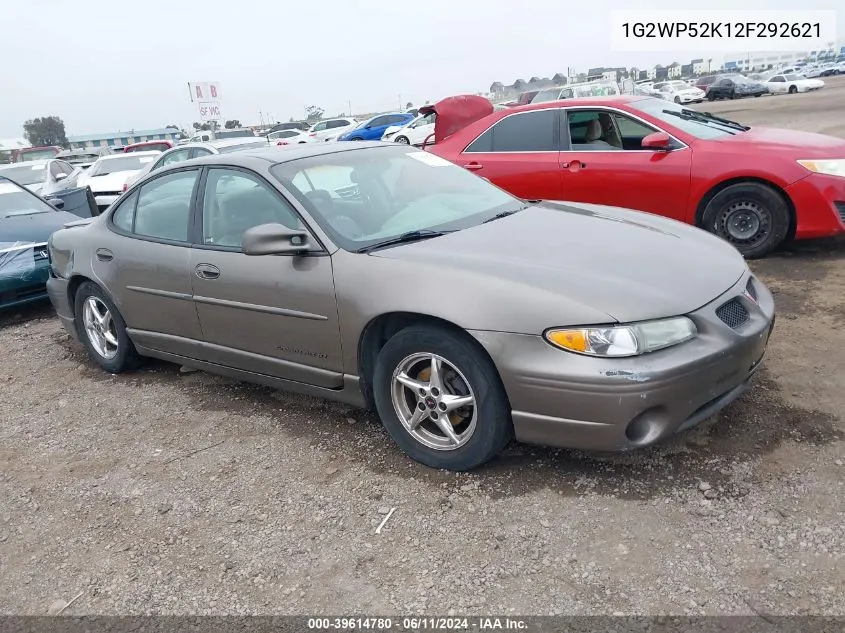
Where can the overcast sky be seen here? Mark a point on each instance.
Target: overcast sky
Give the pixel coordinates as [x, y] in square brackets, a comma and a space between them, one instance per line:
[109, 65]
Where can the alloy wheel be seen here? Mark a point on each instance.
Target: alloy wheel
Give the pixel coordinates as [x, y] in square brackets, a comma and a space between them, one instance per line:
[434, 401]
[100, 327]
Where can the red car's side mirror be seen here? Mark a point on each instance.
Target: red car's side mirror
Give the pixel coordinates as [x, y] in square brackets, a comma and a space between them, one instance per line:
[658, 141]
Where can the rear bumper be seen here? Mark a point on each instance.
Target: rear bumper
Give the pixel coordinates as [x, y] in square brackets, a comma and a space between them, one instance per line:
[57, 290]
[573, 401]
[819, 205]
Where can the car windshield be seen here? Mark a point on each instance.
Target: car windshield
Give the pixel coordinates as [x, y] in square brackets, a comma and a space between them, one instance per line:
[697, 124]
[368, 196]
[128, 162]
[25, 174]
[240, 146]
[549, 94]
[233, 133]
[17, 201]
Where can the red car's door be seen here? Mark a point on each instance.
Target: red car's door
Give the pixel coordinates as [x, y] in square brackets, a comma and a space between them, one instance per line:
[603, 162]
[519, 154]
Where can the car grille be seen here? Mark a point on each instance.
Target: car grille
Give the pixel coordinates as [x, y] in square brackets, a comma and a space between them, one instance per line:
[840, 208]
[733, 313]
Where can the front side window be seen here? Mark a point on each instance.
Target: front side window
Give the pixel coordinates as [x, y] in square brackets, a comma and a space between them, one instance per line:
[364, 197]
[164, 206]
[236, 201]
[322, 125]
[526, 132]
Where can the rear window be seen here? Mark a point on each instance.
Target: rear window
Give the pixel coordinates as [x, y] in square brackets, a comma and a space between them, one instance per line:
[127, 162]
[25, 174]
[16, 201]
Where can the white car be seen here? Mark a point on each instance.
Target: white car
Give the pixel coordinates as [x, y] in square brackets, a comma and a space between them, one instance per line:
[790, 84]
[413, 133]
[44, 176]
[679, 92]
[290, 137]
[330, 129]
[109, 175]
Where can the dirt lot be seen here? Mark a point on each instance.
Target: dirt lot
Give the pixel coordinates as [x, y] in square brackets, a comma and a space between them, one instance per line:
[159, 491]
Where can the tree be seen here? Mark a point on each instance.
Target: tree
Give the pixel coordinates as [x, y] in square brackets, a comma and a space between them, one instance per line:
[201, 127]
[48, 130]
[231, 124]
[313, 113]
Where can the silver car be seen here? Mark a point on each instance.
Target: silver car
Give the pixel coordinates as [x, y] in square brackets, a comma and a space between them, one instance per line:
[44, 177]
[384, 276]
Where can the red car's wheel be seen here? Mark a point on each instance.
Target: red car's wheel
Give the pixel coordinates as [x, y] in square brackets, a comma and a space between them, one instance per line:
[753, 217]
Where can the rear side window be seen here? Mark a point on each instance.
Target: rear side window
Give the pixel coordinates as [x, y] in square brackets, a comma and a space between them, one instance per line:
[526, 132]
[164, 206]
[124, 214]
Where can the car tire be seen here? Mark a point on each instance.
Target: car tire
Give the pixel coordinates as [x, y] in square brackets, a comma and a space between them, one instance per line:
[356, 138]
[711, 97]
[105, 339]
[481, 429]
[793, 90]
[732, 95]
[752, 216]
[403, 140]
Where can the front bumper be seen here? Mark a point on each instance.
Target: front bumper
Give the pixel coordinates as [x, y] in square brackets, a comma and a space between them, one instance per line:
[819, 202]
[563, 399]
[57, 290]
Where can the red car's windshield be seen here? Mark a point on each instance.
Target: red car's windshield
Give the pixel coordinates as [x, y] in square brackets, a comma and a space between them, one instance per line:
[694, 123]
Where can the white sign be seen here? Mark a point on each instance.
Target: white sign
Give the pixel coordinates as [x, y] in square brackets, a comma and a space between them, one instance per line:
[210, 111]
[204, 91]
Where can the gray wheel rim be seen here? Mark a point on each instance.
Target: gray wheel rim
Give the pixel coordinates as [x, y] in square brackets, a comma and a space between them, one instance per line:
[99, 327]
[434, 401]
[744, 222]
[403, 140]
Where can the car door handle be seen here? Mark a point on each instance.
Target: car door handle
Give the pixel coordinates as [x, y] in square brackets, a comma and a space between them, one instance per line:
[207, 271]
[104, 255]
[473, 166]
[573, 165]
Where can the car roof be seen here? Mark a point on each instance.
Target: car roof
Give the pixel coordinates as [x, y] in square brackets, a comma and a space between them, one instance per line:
[274, 154]
[114, 156]
[39, 161]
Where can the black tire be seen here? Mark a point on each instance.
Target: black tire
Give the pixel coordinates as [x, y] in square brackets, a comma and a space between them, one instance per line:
[678, 100]
[762, 204]
[126, 356]
[403, 140]
[732, 95]
[793, 90]
[356, 138]
[711, 97]
[494, 426]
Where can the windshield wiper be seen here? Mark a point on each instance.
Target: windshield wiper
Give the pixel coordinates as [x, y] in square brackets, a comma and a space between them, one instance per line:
[706, 117]
[410, 236]
[504, 214]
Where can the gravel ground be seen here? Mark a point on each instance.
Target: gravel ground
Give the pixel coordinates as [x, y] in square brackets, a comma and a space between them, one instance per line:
[169, 492]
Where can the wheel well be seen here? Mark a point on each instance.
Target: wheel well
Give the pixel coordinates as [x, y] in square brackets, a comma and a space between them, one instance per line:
[378, 331]
[705, 200]
[73, 286]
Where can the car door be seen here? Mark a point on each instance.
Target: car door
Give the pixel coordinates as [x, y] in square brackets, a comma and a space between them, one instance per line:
[376, 128]
[519, 153]
[276, 314]
[614, 169]
[145, 260]
[776, 84]
[422, 129]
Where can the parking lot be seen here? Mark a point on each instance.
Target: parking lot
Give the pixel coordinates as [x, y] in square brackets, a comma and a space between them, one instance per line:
[162, 491]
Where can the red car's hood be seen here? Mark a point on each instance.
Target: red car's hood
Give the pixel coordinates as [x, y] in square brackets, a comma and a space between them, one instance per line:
[454, 113]
[800, 144]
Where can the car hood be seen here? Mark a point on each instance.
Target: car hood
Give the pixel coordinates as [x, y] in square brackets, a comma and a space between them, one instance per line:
[799, 144]
[110, 182]
[627, 265]
[392, 129]
[36, 227]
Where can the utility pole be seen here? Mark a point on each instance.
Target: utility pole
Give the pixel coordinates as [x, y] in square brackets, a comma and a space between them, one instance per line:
[349, 105]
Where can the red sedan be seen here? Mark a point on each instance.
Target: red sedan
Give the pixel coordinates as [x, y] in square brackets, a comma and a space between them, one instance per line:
[754, 187]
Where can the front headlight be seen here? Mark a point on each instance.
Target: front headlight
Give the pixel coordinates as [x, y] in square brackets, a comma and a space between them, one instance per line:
[831, 167]
[623, 340]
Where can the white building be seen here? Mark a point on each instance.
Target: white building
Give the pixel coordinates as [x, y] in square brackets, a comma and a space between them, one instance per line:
[651, 73]
[674, 71]
[698, 66]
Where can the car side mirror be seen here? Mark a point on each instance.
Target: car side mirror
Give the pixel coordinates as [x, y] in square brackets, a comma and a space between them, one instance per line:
[274, 239]
[658, 141]
[60, 176]
[57, 203]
